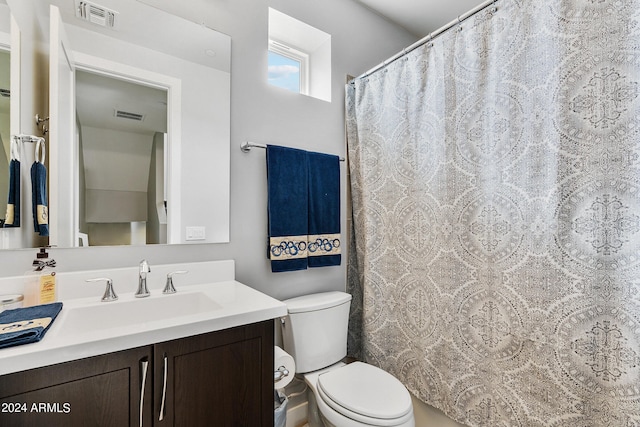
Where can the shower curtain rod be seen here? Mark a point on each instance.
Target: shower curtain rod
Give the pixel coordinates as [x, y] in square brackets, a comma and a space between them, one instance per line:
[428, 38]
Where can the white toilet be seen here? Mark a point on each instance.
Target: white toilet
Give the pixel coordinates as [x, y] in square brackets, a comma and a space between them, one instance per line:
[346, 395]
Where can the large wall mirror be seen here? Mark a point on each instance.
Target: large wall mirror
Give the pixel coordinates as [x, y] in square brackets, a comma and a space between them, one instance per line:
[138, 103]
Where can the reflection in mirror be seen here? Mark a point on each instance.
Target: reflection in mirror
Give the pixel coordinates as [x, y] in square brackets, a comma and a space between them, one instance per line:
[5, 155]
[192, 66]
[122, 132]
[5, 91]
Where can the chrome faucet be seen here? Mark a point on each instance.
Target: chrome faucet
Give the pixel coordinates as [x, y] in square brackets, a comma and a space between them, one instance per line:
[143, 291]
[168, 287]
[109, 293]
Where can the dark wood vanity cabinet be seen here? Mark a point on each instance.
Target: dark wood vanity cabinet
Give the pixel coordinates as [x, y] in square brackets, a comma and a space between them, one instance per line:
[98, 391]
[222, 378]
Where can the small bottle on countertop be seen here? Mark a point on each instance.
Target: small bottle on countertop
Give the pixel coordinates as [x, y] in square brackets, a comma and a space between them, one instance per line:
[45, 286]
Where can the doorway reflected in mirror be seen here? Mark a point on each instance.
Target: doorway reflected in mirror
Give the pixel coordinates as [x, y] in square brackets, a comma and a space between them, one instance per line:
[122, 128]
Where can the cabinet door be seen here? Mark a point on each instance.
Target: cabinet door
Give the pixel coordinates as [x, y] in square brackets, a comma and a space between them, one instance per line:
[218, 379]
[101, 391]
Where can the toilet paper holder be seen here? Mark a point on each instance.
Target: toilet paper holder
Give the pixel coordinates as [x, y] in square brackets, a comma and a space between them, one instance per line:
[280, 373]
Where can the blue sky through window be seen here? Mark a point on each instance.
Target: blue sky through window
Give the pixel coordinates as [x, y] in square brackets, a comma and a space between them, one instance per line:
[284, 72]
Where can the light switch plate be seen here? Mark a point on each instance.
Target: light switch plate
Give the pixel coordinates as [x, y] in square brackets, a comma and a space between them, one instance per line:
[196, 233]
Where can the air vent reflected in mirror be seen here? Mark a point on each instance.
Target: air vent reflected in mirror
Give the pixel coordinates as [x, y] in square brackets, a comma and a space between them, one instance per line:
[96, 14]
[128, 115]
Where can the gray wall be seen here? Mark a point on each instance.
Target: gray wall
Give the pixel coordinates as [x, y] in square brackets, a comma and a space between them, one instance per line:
[265, 114]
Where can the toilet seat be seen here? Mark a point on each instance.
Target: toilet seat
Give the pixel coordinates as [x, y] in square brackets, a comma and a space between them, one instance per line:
[366, 394]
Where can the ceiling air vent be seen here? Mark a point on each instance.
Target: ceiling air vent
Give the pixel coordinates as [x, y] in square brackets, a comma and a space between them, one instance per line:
[5, 93]
[128, 115]
[96, 14]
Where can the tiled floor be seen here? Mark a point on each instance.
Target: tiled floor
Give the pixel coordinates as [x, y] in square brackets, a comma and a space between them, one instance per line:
[428, 416]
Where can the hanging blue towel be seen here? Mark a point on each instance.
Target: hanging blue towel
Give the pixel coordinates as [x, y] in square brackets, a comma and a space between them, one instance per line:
[26, 325]
[324, 210]
[12, 217]
[39, 198]
[287, 208]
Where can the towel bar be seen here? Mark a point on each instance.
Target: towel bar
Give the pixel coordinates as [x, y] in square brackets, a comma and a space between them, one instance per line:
[246, 146]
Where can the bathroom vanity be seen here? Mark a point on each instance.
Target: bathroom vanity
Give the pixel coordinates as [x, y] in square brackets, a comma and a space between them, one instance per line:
[204, 365]
[222, 378]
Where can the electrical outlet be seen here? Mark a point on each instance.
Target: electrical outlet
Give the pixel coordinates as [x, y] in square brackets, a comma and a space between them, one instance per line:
[196, 233]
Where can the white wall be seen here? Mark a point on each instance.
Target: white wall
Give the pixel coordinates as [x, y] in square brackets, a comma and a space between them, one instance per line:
[5, 157]
[116, 174]
[5, 135]
[265, 114]
[116, 160]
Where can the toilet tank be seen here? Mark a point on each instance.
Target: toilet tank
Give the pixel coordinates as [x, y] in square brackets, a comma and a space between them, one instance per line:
[315, 331]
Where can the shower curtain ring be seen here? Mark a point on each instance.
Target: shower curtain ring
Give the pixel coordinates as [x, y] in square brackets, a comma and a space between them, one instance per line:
[459, 24]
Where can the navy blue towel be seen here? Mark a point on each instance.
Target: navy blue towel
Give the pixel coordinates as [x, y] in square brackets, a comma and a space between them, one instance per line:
[26, 325]
[287, 208]
[12, 217]
[324, 210]
[39, 198]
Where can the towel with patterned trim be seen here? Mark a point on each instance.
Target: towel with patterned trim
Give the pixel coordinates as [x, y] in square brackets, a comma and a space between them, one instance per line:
[324, 210]
[27, 325]
[288, 210]
[39, 198]
[12, 216]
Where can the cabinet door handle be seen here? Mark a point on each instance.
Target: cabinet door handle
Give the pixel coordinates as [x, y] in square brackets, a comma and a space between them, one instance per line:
[144, 366]
[164, 388]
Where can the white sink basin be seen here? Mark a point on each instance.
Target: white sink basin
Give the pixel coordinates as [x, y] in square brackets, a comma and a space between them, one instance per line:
[134, 312]
[87, 327]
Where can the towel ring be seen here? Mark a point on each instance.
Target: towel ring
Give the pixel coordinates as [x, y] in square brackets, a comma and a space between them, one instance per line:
[14, 150]
[41, 146]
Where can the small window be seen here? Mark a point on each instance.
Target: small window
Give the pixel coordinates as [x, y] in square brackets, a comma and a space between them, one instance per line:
[299, 56]
[288, 68]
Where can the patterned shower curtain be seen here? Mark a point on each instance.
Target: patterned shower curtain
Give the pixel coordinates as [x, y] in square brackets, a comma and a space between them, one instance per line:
[496, 210]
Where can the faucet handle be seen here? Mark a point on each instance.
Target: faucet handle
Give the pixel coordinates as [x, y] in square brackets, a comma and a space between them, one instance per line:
[144, 266]
[109, 293]
[168, 287]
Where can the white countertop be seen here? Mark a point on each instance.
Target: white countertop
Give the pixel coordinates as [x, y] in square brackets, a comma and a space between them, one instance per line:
[234, 304]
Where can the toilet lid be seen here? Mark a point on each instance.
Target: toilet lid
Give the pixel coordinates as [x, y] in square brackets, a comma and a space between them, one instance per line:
[365, 390]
